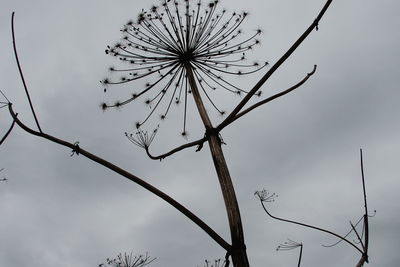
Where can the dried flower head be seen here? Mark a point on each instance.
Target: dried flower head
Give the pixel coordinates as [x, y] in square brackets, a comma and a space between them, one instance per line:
[175, 34]
[289, 245]
[265, 196]
[142, 138]
[215, 263]
[128, 260]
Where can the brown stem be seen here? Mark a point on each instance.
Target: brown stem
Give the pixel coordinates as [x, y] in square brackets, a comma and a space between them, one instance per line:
[175, 150]
[76, 149]
[238, 253]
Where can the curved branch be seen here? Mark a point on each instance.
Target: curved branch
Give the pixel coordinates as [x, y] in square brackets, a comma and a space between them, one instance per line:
[75, 148]
[198, 143]
[8, 132]
[310, 226]
[22, 75]
[269, 99]
[269, 73]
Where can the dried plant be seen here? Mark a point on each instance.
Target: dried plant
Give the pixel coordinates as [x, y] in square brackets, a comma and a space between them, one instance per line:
[290, 245]
[163, 41]
[216, 263]
[187, 49]
[128, 260]
[361, 243]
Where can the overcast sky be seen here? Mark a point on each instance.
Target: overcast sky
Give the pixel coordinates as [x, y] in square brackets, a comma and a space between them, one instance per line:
[58, 210]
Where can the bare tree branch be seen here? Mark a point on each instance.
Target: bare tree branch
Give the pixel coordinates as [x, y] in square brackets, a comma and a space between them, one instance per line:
[79, 151]
[269, 99]
[20, 72]
[269, 73]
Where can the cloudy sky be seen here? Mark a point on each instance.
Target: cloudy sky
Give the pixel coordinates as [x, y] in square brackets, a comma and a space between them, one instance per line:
[58, 210]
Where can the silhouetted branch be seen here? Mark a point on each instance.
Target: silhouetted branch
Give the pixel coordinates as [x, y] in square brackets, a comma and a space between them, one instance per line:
[5, 97]
[198, 143]
[143, 140]
[358, 236]
[265, 196]
[364, 257]
[8, 132]
[261, 197]
[269, 99]
[20, 72]
[345, 236]
[269, 73]
[128, 175]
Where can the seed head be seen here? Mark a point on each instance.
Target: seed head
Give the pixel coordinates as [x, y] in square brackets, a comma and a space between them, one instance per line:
[163, 41]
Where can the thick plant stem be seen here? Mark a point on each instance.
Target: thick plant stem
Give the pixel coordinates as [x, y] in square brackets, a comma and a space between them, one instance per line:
[238, 252]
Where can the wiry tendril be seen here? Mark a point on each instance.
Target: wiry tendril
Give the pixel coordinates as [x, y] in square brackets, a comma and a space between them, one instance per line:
[165, 39]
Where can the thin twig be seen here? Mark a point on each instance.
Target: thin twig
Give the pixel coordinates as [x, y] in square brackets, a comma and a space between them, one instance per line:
[310, 226]
[358, 236]
[269, 73]
[8, 132]
[175, 150]
[345, 236]
[269, 99]
[20, 72]
[1, 92]
[366, 225]
[129, 176]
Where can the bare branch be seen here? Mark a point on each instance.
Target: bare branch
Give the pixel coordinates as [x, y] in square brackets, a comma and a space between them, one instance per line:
[358, 236]
[261, 197]
[144, 140]
[198, 143]
[78, 150]
[365, 202]
[269, 73]
[269, 99]
[20, 72]
[345, 236]
[8, 101]
[364, 258]
[8, 132]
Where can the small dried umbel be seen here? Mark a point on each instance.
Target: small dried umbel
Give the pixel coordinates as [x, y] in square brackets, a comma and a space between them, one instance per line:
[162, 41]
[215, 263]
[289, 245]
[265, 196]
[128, 260]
